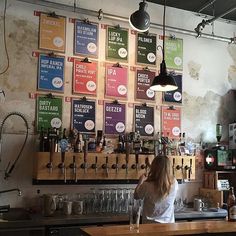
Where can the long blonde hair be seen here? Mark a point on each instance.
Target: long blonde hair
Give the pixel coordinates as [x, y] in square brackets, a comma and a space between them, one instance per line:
[161, 175]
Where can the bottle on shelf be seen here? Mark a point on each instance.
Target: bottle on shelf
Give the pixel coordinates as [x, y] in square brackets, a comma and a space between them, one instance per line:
[77, 147]
[231, 205]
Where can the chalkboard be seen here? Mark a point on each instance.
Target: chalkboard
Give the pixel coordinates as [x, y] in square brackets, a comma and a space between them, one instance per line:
[144, 120]
[51, 73]
[146, 49]
[117, 44]
[86, 38]
[83, 115]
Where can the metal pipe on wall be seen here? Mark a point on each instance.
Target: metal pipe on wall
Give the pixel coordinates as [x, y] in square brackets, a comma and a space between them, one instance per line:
[108, 16]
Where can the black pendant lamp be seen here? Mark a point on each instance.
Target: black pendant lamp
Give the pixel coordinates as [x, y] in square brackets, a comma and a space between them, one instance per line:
[140, 19]
[163, 82]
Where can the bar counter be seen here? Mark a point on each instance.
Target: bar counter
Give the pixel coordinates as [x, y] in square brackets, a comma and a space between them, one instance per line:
[183, 228]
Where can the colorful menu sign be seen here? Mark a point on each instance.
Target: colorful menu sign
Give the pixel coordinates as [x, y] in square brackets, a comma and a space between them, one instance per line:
[52, 32]
[49, 112]
[146, 49]
[144, 120]
[144, 80]
[117, 43]
[176, 95]
[51, 73]
[171, 122]
[114, 118]
[116, 81]
[174, 53]
[85, 77]
[86, 38]
[83, 115]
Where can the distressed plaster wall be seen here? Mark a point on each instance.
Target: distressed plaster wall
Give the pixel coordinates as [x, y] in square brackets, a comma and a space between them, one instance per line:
[209, 76]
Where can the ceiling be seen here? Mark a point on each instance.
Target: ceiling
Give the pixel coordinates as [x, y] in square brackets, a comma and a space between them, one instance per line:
[213, 8]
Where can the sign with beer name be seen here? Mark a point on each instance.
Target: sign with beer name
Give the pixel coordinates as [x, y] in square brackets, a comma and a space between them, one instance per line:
[86, 38]
[49, 112]
[171, 121]
[83, 115]
[114, 118]
[51, 73]
[146, 49]
[176, 95]
[85, 77]
[144, 120]
[144, 80]
[52, 32]
[174, 53]
[117, 44]
[116, 81]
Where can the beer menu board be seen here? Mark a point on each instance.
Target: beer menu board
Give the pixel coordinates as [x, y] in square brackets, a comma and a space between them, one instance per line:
[144, 120]
[117, 43]
[52, 32]
[49, 112]
[51, 73]
[83, 115]
[84, 77]
[176, 95]
[171, 121]
[114, 118]
[144, 80]
[116, 81]
[146, 49]
[174, 53]
[86, 38]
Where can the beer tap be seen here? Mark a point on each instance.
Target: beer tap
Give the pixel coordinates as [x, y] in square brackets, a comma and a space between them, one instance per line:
[173, 167]
[190, 169]
[62, 166]
[95, 165]
[52, 135]
[85, 149]
[147, 165]
[116, 166]
[105, 166]
[73, 166]
[137, 148]
[127, 151]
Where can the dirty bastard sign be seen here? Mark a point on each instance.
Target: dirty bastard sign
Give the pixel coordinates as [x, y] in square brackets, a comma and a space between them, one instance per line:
[146, 49]
[171, 121]
[85, 77]
[49, 112]
[116, 81]
[144, 120]
[52, 32]
[86, 38]
[144, 80]
[83, 115]
[114, 118]
[117, 44]
[51, 73]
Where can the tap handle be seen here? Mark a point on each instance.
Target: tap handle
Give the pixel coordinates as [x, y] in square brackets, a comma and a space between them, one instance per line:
[64, 174]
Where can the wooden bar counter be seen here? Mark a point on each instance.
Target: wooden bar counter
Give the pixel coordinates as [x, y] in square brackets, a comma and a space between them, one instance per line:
[183, 228]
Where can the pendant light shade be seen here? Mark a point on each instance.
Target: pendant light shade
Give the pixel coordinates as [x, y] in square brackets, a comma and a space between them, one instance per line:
[140, 19]
[163, 82]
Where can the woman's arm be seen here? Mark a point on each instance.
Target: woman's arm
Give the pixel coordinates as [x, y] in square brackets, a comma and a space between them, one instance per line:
[140, 189]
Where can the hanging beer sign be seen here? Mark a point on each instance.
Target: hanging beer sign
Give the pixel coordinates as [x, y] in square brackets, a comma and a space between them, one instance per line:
[51, 73]
[174, 53]
[83, 115]
[144, 80]
[171, 121]
[85, 77]
[49, 112]
[116, 81]
[144, 120]
[52, 32]
[146, 49]
[117, 44]
[114, 118]
[176, 95]
[86, 38]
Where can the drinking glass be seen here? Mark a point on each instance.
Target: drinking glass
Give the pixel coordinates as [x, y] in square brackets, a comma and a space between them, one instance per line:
[135, 210]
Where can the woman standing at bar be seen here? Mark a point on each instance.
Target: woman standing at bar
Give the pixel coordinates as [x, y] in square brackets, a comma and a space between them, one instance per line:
[158, 190]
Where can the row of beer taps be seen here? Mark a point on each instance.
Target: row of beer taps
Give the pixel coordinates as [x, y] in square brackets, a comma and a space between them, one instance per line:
[186, 171]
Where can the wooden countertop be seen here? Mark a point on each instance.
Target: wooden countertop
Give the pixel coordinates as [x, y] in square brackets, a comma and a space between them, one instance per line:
[183, 228]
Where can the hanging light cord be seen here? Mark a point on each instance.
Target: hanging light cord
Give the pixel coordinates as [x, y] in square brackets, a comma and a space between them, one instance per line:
[164, 30]
[4, 39]
[9, 168]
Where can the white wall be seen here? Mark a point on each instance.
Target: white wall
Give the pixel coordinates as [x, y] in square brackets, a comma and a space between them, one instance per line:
[213, 60]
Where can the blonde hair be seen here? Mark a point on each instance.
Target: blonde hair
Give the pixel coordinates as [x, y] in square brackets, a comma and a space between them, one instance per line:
[161, 175]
